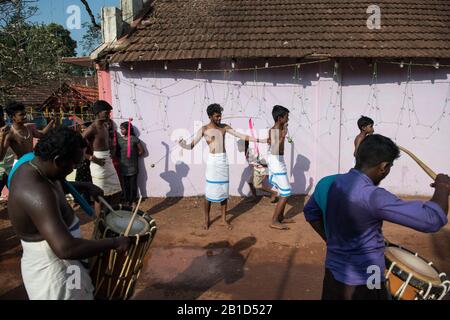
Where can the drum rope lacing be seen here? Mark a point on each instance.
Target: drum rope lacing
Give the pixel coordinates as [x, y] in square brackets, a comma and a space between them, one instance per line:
[137, 253]
[401, 290]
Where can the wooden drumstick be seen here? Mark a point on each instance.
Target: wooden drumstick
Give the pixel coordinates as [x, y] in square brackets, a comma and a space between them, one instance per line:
[130, 224]
[427, 169]
[102, 200]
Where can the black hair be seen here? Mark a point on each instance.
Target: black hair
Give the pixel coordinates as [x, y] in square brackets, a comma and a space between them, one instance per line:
[13, 107]
[101, 105]
[62, 142]
[364, 122]
[124, 125]
[279, 111]
[213, 108]
[375, 149]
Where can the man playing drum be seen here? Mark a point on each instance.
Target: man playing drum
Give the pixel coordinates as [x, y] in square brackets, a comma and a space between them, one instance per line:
[348, 210]
[47, 226]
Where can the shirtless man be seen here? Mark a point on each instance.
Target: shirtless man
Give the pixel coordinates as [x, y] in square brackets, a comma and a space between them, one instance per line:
[365, 125]
[103, 172]
[46, 224]
[277, 167]
[217, 173]
[20, 136]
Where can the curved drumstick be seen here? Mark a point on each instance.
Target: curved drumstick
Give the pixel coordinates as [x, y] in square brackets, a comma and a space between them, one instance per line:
[107, 205]
[427, 169]
[130, 224]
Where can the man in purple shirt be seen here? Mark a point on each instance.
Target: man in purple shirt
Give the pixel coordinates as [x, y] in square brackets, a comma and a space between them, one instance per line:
[348, 210]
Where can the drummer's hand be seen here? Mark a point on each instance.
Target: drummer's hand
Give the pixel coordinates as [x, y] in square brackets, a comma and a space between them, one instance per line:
[441, 179]
[94, 191]
[182, 143]
[122, 244]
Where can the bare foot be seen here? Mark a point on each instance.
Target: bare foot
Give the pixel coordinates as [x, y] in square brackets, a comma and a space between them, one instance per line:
[287, 221]
[279, 226]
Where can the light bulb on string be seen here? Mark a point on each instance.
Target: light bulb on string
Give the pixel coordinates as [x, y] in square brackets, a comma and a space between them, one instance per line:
[436, 64]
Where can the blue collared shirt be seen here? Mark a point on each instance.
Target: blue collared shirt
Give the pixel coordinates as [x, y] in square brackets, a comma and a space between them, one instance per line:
[354, 217]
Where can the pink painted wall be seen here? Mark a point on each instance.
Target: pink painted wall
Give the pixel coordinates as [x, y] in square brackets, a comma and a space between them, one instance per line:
[168, 104]
[104, 84]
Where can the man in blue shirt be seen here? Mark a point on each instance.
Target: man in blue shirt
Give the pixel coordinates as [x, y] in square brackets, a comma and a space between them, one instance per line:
[348, 211]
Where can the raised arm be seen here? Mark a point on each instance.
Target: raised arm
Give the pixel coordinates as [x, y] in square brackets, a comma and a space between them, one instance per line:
[429, 216]
[194, 142]
[241, 136]
[40, 133]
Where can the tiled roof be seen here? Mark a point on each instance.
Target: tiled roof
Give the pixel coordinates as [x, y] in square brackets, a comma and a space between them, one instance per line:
[199, 29]
[35, 95]
[89, 93]
[38, 95]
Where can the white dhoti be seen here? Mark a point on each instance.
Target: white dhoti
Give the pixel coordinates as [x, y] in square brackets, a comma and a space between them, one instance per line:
[278, 175]
[105, 177]
[217, 173]
[47, 277]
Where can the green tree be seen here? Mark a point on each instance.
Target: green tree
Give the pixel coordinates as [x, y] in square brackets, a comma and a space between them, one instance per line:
[91, 39]
[30, 53]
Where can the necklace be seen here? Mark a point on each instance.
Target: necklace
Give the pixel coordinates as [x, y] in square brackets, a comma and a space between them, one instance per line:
[41, 173]
[18, 133]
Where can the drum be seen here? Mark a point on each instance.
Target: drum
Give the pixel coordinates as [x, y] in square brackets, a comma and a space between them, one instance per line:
[114, 275]
[411, 277]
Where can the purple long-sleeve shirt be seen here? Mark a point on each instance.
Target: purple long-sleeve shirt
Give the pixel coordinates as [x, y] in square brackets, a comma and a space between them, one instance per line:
[354, 216]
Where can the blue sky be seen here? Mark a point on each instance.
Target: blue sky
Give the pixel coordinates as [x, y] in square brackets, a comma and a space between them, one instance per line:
[55, 11]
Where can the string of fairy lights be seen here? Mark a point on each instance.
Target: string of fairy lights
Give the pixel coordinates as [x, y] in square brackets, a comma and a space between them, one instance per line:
[252, 102]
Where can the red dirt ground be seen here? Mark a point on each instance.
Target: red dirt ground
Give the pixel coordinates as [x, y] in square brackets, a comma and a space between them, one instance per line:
[251, 261]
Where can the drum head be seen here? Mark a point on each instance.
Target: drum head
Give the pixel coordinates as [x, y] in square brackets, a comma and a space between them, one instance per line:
[118, 222]
[413, 264]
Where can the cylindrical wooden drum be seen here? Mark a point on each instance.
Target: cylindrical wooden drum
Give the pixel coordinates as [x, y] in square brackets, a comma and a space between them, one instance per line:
[115, 274]
[411, 277]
